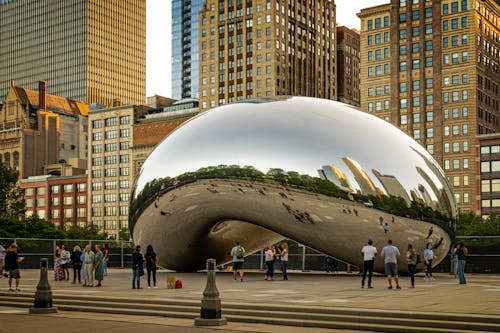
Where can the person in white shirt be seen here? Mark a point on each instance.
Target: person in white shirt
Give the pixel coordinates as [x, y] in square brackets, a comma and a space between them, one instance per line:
[65, 258]
[284, 259]
[428, 258]
[369, 251]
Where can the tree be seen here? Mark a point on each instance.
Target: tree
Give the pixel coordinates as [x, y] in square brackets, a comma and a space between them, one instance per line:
[124, 234]
[11, 196]
[88, 232]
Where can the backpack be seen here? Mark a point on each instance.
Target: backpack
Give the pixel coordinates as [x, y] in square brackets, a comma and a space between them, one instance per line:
[178, 284]
[240, 252]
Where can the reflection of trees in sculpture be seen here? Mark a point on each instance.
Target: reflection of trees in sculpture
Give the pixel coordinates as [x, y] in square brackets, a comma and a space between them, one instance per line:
[390, 204]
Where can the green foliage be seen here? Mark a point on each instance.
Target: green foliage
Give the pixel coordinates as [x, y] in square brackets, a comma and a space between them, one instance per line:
[11, 196]
[124, 234]
[473, 225]
[88, 232]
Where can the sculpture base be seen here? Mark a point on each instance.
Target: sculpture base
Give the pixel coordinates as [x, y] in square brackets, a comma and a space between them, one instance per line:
[43, 310]
[210, 322]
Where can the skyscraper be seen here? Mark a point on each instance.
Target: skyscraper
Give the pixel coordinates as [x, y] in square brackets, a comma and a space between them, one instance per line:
[93, 51]
[252, 49]
[432, 68]
[185, 48]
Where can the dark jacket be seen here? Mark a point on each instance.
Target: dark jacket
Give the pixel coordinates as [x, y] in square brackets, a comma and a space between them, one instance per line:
[137, 260]
[75, 258]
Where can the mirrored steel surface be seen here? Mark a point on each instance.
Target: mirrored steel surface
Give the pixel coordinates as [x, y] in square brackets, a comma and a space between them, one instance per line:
[312, 170]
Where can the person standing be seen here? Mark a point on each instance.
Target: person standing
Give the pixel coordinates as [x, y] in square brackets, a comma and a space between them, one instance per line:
[137, 261]
[76, 262]
[428, 258]
[105, 251]
[12, 260]
[151, 261]
[82, 259]
[284, 259]
[461, 252]
[98, 267]
[369, 251]
[3, 251]
[89, 267]
[65, 258]
[270, 263]
[411, 261]
[390, 253]
[238, 253]
[454, 261]
[58, 272]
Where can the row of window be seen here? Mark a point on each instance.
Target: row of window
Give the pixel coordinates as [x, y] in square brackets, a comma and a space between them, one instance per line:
[111, 147]
[112, 159]
[40, 202]
[54, 189]
[378, 22]
[456, 181]
[110, 197]
[109, 211]
[455, 163]
[110, 185]
[113, 134]
[378, 38]
[56, 213]
[487, 150]
[490, 186]
[113, 121]
[111, 172]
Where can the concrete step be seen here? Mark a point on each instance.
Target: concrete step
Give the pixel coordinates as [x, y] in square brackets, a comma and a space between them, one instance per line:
[280, 315]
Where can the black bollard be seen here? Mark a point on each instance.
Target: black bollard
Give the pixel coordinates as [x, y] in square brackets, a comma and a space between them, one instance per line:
[211, 312]
[43, 295]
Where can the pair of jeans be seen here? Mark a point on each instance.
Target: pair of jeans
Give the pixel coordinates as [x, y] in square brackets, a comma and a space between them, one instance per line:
[77, 272]
[283, 269]
[270, 269]
[411, 270]
[151, 271]
[461, 272]
[428, 272]
[105, 266]
[137, 277]
[367, 268]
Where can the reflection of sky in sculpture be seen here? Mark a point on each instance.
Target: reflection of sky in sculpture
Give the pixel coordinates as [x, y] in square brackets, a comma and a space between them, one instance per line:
[296, 134]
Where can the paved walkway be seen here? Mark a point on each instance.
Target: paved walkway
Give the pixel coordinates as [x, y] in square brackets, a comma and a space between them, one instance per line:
[480, 296]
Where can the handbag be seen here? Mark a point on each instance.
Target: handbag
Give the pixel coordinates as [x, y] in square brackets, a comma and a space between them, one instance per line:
[141, 271]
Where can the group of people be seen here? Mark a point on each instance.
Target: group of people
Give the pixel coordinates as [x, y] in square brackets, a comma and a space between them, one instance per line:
[151, 259]
[271, 255]
[9, 265]
[391, 253]
[88, 265]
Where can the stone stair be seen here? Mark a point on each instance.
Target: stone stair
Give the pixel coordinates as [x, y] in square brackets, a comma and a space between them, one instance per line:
[301, 316]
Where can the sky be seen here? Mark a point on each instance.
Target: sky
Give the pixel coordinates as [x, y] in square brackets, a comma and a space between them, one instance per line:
[159, 31]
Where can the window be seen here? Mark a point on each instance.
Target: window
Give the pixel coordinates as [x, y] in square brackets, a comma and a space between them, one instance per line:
[402, 87]
[456, 147]
[416, 101]
[428, 45]
[446, 147]
[124, 120]
[428, 12]
[465, 112]
[81, 187]
[464, 22]
[55, 201]
[402, 49]
[428, 62]
[416, 47]
[403, 103]
[456, 164]
[415, 31]
[404, 119]
[416, 134]
[68, 213]
[429, 83]
[465, 146]
[454, 23]
[402, 66]
[125, 133]
[454, 7]
[464, 39]
[54, 189]
[464, 56]
[378, 22]
[446, 42]
[430, 149]
[429, 116]
[428, 29]
[68, 200]
[445, 25]
[416, 64]
[68, 188]
[415, 15]
[386, 21]
[430, 132]
[402, 17]
[445, 8]
[402, 34]
[429, 100]
[416, 85]
[369, 24]
[111, 121]
[466, 180]
[465, 163]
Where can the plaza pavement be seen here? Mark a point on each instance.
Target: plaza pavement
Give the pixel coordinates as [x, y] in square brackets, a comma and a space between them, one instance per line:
[480, 296]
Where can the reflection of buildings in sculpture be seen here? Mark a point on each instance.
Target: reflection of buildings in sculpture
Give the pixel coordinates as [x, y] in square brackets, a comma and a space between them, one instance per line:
[443, 195]
[392, 185]
[366, 185]
[425, 194]
[336, 176]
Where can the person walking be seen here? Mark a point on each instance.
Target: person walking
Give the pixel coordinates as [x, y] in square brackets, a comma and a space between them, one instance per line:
[270, 263]
[98, 266]
[12, 260]
[390, 253]
[238, 253]
[151, 261]
[428, 258]
[105, 251]
[65, 259]
[369, 251]
[137, 261]
[284, 259]
[461, 252]
[89, 267]
[76, 262]
[411, 261]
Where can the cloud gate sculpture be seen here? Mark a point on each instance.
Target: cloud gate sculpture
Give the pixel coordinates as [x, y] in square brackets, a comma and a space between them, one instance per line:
[315, 171]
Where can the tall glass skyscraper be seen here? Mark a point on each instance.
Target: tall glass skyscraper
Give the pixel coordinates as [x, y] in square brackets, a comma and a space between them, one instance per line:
[185, 58]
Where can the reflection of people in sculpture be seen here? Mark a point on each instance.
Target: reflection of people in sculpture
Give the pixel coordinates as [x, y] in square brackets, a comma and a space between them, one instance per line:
[386, 227]
[431, 230]
[438, 243]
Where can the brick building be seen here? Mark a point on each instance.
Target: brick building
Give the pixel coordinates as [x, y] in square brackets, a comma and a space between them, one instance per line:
[60, 200]
[488, 184]
[348, 65]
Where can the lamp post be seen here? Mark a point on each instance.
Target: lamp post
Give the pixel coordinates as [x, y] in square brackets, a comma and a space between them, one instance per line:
[211, 312]
[43, 295]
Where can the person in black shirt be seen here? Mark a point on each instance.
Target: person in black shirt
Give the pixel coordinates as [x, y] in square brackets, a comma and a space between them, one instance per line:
[151, 260]
[12, 261]
[76, 261]
[461, 253]
[137, 269]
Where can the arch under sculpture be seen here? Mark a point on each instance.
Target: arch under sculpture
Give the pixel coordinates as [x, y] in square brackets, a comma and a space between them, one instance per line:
[316, 171]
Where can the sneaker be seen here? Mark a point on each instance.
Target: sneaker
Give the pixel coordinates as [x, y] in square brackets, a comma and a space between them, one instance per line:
[398, 287]
[11, 289]
[155, 287]
[432, 279]
[370, 287]
[426, 278]
[390, 287]
[362, 286]
[241, 279]
[18, 289]
[149, 287]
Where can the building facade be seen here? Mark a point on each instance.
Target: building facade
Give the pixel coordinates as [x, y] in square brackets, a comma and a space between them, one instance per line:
[348, 65]
[488, 184]
[93, 51]
[60, 200]
[253, 49]
[434, 74]
[38, 129]
[110, 165]
[185, 48]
